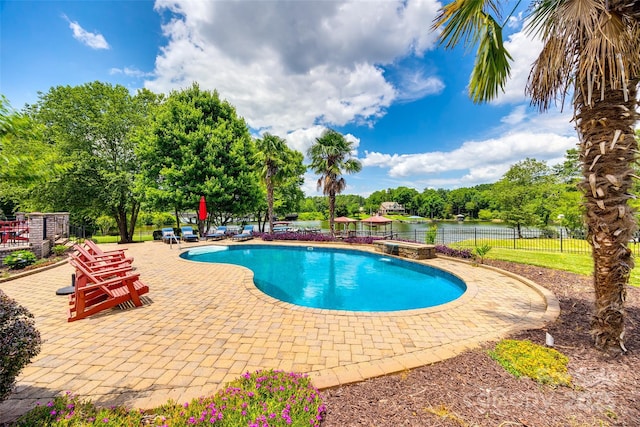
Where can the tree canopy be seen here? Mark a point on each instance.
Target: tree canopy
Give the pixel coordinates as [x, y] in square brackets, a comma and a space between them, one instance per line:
[195, 145]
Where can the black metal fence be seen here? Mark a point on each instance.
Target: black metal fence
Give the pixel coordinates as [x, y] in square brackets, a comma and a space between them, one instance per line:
[557, 240]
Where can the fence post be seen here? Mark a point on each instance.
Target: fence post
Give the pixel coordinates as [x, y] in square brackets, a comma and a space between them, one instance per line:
[560, 240]
[514, 238]
[475, 236]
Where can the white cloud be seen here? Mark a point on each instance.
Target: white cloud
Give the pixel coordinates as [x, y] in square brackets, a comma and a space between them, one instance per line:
[93, 40]
[516, 116]
[480, 161]
[414, 85]
[130, 72]
[294, 65]
[302, 139]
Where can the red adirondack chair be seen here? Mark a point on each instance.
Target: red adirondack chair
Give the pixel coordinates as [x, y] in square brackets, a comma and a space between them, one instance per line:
[98, 252]
[92, 260]
[100, 289]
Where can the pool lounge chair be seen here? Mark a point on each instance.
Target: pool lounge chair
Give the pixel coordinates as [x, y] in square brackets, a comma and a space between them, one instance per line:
[169, 236]
[247, 234]
[218, 234]
[188, 235]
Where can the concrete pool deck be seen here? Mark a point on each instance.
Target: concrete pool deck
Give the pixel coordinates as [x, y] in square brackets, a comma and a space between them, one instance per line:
[203, 325]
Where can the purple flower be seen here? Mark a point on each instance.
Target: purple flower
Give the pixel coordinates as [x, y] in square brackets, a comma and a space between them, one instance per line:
[53, 412]
[192, 420]
[105, 420]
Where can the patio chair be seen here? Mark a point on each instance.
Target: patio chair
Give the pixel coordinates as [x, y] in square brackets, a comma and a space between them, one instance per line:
[188, 235]
[98, 252]
[96, 291]
[99, 262]
[219, 233]
[169, 236]
[247, 234]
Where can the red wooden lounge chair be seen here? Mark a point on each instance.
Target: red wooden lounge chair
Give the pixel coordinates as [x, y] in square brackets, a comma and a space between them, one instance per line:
[97, 265]
[98, 252]
[98, 290]
[91, 259]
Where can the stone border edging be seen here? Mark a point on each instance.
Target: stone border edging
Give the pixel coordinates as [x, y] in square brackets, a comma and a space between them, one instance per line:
[34, 271]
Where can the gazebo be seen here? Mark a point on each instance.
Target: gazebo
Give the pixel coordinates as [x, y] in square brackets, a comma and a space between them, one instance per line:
[345, 220]
[378, 220]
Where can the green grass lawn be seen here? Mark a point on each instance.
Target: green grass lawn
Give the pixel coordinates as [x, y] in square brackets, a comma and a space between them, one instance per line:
[574, 263]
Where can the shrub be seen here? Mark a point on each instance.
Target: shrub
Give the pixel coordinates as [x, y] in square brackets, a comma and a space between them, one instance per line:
[19, 342]
[20, 259]
[482, 251]
[273, 398]
[524, 358]
[58, 250]
[307, 237]
[431, 234]
[455, 253]
[105, 223]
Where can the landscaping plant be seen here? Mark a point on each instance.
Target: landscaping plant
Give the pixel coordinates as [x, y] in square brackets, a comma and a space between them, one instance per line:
[259, 399]
[59, 250]
[19, 342]
[482, 251]
[526, 359]
[20, 259]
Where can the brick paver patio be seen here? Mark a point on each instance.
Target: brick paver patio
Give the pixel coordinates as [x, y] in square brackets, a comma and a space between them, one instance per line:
[205, 324]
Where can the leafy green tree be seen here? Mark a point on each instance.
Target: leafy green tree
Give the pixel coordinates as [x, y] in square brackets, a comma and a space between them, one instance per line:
[405, 196]
[25, 158]
[590, 49]
[431, 204]
[331, 157]
[569, 170]
[375, 199]
[278, 162]
[89, 127]
[195, 145]
[526, 194]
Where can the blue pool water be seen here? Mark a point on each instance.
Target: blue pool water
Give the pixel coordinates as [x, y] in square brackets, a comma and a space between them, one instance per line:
[337, 279]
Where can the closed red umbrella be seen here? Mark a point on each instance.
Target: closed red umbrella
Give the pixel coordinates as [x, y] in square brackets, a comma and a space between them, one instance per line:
[202, 209]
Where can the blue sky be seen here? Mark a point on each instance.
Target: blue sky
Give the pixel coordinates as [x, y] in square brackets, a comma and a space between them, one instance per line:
[369, 69]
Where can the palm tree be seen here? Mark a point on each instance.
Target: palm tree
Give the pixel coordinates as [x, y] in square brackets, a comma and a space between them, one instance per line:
[275, 157]
[591, 47]
[331, 157]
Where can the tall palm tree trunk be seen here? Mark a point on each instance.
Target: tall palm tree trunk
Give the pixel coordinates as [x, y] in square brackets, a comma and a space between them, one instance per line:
[332, 212]
[608, 151]
[269, 183]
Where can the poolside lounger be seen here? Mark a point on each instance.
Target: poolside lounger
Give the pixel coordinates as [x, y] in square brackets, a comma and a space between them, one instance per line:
[247, 234]
[188, 235]
[169, 236]
[218, 234]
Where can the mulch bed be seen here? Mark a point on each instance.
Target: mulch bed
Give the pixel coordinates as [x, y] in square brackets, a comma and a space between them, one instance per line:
[472, 390]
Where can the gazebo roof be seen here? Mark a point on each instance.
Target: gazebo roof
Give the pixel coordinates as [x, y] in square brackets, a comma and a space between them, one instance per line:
[377, 219]
[344, 219]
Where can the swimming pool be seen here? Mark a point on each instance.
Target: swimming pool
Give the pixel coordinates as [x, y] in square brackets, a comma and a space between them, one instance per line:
[337, 279]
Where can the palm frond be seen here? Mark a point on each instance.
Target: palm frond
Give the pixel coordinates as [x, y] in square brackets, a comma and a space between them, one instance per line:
[551, 73]
[492, 68]
[611, 56]
[462, 20]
